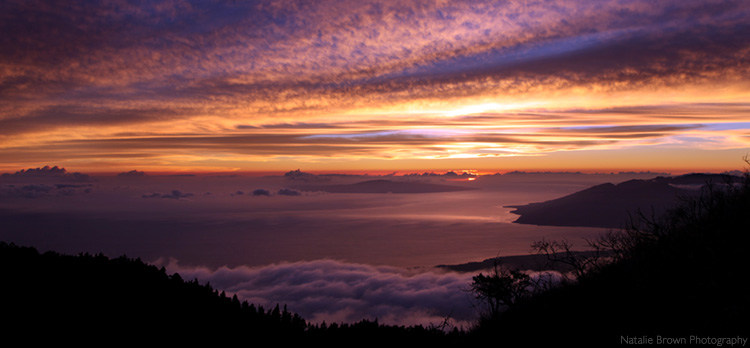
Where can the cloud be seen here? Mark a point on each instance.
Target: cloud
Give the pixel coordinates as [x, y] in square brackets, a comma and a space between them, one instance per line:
[38, 172]
[261, 192]
[481, 135]
[48, 172]
[175, 194]
[299, 125]
[43, 190]
[342, 53]
[46, 118]
[366, 79]
[333, 291]
[132, 174]
[288, 192]
[28, 191]
[280, 192]
[298, 175]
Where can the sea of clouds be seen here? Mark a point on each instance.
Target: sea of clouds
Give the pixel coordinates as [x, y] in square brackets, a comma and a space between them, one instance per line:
[335, 291]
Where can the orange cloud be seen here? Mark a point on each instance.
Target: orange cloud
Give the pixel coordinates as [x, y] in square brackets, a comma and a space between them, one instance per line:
[297, 80]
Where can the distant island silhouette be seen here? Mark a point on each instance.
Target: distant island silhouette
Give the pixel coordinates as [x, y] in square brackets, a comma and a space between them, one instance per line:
[384, 186]
[610, 206]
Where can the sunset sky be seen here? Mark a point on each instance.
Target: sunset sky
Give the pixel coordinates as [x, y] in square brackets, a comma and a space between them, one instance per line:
[371, 86]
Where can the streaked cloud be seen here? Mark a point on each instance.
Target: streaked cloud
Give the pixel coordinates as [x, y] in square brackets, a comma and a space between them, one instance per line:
[123, 83]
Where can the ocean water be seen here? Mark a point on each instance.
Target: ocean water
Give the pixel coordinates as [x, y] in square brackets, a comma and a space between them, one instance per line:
[219, 222]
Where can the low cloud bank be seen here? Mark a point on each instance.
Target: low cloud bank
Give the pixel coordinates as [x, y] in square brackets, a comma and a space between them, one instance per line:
[280, 192]
[132, 174]
[333, 291]
[288, 192]
[261, 192]
[300, 176]
[43, 190]
[175, 194]
[47, 172]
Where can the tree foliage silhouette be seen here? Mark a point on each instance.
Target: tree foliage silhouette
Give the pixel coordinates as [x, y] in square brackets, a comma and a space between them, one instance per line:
[499, 289]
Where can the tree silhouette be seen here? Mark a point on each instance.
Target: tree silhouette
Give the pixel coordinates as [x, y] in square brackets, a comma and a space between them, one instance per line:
[499, 289]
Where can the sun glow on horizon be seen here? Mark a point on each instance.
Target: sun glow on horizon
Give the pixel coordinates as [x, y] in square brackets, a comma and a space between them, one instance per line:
[477, 109]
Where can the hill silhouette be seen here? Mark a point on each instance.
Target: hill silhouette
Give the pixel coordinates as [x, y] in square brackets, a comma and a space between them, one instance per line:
[384, 186]
[90, 298]
[678, 276]
[611, 206]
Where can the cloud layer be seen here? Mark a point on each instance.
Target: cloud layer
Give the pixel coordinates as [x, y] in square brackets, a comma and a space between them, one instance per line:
[216, 83]
[333, 291]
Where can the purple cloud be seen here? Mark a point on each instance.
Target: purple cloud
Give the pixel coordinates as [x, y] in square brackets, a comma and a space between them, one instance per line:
[175, 194]
[42, 190]
[261, 192]
[132, 174]
[288, 192]
[48, 172]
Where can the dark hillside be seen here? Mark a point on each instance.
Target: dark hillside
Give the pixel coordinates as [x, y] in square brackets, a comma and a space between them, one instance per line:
[609, 205]
[93, 300]
[681, 275]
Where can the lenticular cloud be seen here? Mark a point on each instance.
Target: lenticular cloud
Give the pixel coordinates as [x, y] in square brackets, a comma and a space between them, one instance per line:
[333, 291]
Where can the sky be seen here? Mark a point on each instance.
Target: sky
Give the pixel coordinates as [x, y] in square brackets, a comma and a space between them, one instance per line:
[271, 86]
